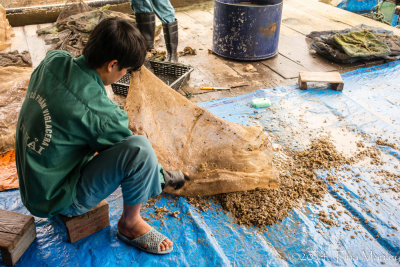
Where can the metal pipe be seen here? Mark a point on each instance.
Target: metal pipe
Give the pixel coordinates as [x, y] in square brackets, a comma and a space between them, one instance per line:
[93, 3]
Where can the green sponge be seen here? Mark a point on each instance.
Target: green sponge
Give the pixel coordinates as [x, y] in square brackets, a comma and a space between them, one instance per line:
[260, 102]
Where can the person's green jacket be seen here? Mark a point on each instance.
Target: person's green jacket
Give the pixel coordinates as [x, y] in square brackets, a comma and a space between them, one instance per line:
[66, 117]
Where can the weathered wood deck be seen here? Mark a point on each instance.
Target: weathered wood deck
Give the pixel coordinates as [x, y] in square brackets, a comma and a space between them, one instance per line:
[196, 28]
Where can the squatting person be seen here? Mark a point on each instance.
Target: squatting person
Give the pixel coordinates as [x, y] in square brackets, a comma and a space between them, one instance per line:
[67, 118]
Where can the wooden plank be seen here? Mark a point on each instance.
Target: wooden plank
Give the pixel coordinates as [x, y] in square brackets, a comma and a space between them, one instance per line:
[81, 226]
[284, 66]
[299, 20]
[255, 74]
[183, 4]
[18, 42]
[293, 45]
[25, 241]
[35, 43]
[12, 223]
[194, 31]
[333, 78]
[17, 232]
[329, 77]
[201, 16]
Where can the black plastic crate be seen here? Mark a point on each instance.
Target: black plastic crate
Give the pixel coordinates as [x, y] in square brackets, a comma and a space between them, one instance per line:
[173, 74]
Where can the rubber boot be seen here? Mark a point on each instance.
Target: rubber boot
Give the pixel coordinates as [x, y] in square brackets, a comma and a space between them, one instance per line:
[146, 23]
[171, 40]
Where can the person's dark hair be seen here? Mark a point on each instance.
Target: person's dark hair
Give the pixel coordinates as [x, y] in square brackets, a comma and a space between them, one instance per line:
[115, 38]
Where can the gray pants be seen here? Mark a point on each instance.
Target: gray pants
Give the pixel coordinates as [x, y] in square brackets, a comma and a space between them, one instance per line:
[131, 163]
[162, 8]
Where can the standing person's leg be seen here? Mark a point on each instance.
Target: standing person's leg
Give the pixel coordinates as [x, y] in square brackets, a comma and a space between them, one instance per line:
[164, 10]
[132, 164]
[166, 13]
[145, 20]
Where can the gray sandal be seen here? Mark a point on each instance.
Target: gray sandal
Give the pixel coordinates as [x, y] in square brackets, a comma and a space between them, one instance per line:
[152, 239]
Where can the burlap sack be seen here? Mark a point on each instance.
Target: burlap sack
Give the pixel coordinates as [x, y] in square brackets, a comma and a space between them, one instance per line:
[6, 31]
[219, 156]
[13, 85]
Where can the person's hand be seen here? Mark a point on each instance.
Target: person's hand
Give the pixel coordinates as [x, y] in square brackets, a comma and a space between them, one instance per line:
[175, 178]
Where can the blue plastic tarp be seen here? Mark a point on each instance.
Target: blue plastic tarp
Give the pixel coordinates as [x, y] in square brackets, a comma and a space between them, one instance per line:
[363, 6]
[369, 106]
[358, 6]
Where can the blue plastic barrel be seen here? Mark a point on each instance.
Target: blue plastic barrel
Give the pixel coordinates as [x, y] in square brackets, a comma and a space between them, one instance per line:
[246, 30]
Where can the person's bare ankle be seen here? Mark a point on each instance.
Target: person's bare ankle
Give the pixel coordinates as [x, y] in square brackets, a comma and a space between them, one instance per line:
[139, 227]
[133, 228]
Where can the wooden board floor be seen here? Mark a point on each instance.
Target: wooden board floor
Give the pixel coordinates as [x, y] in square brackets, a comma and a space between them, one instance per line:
[196, 29]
